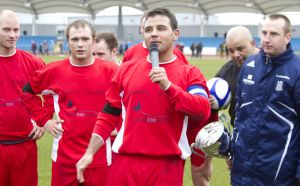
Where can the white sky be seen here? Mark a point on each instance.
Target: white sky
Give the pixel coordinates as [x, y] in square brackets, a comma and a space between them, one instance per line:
[251, 18]
[224, 18]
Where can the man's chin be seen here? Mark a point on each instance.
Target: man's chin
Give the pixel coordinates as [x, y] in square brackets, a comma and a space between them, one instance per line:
[81, 56]
[238, 63]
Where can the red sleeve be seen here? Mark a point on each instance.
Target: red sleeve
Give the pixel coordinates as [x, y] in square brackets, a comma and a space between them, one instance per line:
[193, 105]
[127, 55]
[40, 108]
[47, 111]
[34, 103]
[193, 128]
[213, 117]
[106, 122]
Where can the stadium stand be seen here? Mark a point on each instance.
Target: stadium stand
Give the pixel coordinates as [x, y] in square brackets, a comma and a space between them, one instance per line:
[208, 42]
[24, 42]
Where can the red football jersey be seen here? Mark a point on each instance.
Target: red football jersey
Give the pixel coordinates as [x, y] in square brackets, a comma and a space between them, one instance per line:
[141, 51]
[78, 94]
[15, 71]
[154, 121]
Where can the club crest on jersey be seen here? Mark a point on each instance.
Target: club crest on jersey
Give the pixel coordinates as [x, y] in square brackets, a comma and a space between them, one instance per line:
[279, 86]
[251, 64]
[249, 80]
[70, 103]
[137, 107]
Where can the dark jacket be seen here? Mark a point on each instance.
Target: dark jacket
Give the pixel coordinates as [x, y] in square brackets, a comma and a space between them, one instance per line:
[266, 138]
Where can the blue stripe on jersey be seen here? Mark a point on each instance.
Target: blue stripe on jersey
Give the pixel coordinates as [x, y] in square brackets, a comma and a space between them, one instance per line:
[197, 89]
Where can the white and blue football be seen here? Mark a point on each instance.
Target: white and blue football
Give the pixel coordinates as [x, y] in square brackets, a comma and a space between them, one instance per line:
[220, 91]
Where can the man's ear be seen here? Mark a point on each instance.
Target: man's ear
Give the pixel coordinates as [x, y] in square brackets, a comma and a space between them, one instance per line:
[253, 43]
[175, 34]
[288, 38]
[114, 52]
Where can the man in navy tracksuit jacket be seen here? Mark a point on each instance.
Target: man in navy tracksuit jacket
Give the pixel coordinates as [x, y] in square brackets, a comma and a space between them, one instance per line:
[266, 137]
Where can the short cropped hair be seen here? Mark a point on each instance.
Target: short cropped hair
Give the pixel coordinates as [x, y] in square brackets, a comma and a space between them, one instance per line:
[80, 24]
[164, 12]
[287, 26]
[109, 38]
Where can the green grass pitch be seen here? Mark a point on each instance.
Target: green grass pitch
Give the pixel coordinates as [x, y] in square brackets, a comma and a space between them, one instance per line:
[220, 176]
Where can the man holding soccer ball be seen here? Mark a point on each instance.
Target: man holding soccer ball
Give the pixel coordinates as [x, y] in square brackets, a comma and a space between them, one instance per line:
[240, 45]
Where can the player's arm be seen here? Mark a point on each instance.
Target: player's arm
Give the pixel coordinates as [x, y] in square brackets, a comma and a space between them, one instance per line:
[34, 106]
[105, 124]
[194, 101]
[95, 144]
[201, 167]
[39, 107]
[107, 121]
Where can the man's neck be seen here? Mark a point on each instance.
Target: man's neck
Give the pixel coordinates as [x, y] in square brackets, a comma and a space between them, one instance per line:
[7, 52]
[82, 62]
[167, 56]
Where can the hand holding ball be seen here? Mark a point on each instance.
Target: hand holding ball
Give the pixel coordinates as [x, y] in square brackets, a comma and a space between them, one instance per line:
[220, 92]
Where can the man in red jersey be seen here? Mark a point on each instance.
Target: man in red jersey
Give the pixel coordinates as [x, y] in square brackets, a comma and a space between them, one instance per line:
[200, 167]
[155, 104]
[106, 47]
[78, 85]
[18, 130]
[140, 50]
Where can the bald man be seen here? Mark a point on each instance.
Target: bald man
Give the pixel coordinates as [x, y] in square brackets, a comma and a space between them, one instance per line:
[18, 130]
[240, 45]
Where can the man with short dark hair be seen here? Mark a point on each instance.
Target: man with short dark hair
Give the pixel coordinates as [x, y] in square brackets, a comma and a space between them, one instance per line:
[154, 103]
[200, 167]
[106, 47]
[78, 85]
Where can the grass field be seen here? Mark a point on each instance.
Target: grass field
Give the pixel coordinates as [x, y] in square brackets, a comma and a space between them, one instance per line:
[209, 66]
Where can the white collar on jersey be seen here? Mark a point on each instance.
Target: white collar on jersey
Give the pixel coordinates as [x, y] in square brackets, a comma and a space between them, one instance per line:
[9, 55]
[92, 62]
[162, 63]
[144, 44]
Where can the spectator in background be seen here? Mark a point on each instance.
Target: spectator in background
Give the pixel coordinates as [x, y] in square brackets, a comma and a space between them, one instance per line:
[126, 46]
[266, 136]
[61, 47]
[18, 128]
[150, 116]
[193, 48]
[199, 48]
[45, 47]
[33, 47]
[121, 49]
[222, 48]
[41, 49]
[78, 85]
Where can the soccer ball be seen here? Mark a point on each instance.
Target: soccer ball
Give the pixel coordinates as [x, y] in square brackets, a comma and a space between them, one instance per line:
[220, 91]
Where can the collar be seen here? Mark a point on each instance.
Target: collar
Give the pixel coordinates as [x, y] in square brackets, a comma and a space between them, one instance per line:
[91, 62]
[281, 58]
[165, 62]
